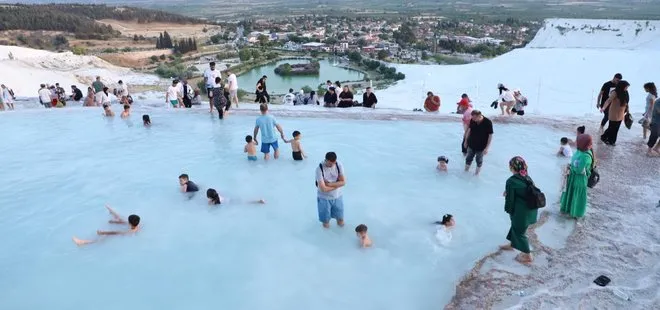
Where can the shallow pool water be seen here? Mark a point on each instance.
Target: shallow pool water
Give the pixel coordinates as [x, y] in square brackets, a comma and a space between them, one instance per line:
[59, 167]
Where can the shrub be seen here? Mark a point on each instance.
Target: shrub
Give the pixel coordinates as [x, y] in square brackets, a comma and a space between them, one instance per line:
[154, 58]
[110, 50]
[163, 57]
[126, 49]
[78, 50]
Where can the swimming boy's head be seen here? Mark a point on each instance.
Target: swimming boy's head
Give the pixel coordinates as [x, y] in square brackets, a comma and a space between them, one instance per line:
[443, 159]
[563, 141]
[248, 139]
[127, 107]
[263, 108]
[330, 159]
[183, 179]
[361, 230]
[296, 134]
[448, 220]
[581, 130]
[106, 107]
[212, 196]
[146, 120]
[133, 220]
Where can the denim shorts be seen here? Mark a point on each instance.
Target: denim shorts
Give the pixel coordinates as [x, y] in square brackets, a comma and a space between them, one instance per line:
[471, 154]
[330, 208]
[265, 147]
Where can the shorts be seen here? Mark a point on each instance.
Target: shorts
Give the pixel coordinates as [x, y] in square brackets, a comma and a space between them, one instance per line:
[174, 103]
[233, 93]
[252, 157]
[471, 154]
[297, 155]
[330, 209]
[265, 147]
[209, 92]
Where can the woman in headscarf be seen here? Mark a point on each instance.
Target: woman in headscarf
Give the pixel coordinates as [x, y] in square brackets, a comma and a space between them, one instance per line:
[517, 207]
[574, 196]
[617, 106]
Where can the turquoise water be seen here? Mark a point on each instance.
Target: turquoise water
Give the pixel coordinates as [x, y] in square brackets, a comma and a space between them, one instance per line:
[280, 84]
[60, 166]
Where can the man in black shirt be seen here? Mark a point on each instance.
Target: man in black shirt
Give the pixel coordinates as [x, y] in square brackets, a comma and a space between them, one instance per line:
[604, 95]
[477, 139]
[369, 99]
[77, 94]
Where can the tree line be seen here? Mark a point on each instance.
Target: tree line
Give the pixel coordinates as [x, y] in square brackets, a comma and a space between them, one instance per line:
[22, 17]
[124, 13]
[182, 46]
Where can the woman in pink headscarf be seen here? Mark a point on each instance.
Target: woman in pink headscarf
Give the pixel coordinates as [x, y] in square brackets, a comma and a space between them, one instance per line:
[574, 197]
[520, 213]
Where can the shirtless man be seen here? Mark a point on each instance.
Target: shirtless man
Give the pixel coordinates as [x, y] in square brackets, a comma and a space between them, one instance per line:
[133, 226]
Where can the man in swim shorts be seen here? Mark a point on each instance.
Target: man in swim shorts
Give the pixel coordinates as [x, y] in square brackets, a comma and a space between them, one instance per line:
[172, 96]
[329, 180]
[266, 123]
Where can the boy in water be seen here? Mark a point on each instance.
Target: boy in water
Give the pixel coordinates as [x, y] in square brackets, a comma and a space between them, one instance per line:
[107, 112]
[442, 163]
[146, 120]
[127, 111]
[296, 147]
[187, 186]
[564, 149]
[133, 223]
[363, 237]
[250, 149]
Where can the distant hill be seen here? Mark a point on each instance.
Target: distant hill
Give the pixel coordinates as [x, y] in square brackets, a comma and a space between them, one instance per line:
[79, 19]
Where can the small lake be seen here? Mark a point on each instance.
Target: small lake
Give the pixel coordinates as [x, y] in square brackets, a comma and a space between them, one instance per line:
[280, 84]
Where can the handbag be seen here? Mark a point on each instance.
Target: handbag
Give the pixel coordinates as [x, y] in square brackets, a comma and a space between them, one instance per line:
[594, 178]
[628, 120]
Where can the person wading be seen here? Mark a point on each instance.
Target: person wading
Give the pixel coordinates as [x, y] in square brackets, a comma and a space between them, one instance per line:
[477, 140]
[209, 79]
[330, 178]
[617, 106]
[604, 94]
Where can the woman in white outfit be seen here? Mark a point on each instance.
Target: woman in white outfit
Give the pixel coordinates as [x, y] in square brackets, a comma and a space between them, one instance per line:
[507, 100]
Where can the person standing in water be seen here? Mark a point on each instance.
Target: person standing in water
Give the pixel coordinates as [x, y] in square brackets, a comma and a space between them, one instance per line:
[652, 95]
[574, 196]
[519, 211]
[266, 123]
[477, 140]
[330, 179]
[617, 106]
[232, 85]
[98, 85]
[604, 94]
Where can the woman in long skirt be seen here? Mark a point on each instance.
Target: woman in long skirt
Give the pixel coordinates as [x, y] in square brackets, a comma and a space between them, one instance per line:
[574, 196]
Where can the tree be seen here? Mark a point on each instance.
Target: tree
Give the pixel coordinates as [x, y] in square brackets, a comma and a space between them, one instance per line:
[383, 54]
[263, 39]
[362, 42]
[256, 54]
[331, 41]
[60, 41]
[355, 56]
[244, 54]
[405, 35]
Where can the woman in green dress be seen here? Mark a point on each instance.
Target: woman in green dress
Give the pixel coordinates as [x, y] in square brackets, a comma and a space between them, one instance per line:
[517, 207]
[574, 196]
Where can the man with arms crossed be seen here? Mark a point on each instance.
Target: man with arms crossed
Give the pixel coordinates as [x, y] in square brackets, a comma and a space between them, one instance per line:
[329, 180]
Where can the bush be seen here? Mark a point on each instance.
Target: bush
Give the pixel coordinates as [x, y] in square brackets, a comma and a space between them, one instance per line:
[110, 50]
[78, 50]
[126, 49]
[307, 89]
[154, 58]
[163, 57]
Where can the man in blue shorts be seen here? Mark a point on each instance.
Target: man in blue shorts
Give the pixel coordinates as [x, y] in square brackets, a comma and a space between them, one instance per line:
[329, 180]
[266, 123]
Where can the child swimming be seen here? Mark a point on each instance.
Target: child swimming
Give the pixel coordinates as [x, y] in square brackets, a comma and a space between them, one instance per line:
[296, 147]
[564, 149]
[215, 198]
[146, 120]
[127, 111]
[187, 186]
[133, 222]
[442, 163]
[250, 149]
[363, 237]
[107, 112]
[443, 233]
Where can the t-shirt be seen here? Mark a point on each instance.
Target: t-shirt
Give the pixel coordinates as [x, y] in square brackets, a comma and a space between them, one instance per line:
[507, 96]
[266, 124]
[192, 187]
[98, 86]
[464, 103]
[566, 151]
[77, 94]
[330, 174]
[6, 96]
[173, 92]
[44, 95]
[656, 112]
[649, 101]
[479, 133]
[233, 83]
[210, 76]
[288, 99]
[606, 89]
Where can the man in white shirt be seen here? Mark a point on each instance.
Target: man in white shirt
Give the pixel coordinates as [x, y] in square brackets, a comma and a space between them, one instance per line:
[289, 98]
[209, 79]
[233, 88]
[173, 95]
[122, 92]
[44, 96]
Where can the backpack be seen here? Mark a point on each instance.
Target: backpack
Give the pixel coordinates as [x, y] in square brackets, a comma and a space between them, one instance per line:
[595, 176]
[323, 174]
[534, 196]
